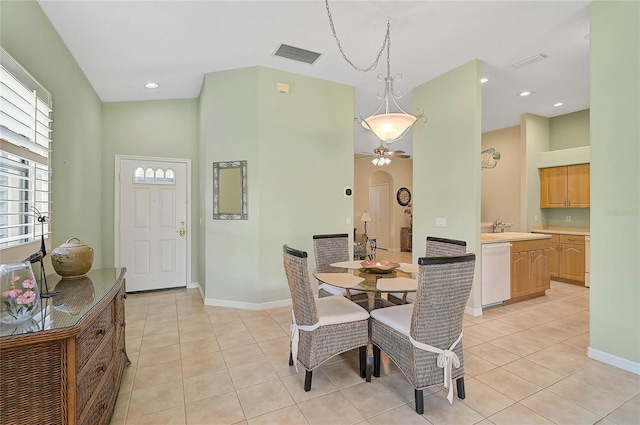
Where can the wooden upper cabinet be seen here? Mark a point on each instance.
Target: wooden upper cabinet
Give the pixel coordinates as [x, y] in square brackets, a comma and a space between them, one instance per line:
[553, 187]
[565, 187]
[578, 186]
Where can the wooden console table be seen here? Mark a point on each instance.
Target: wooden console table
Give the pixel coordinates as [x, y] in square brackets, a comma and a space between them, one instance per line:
[70, 372]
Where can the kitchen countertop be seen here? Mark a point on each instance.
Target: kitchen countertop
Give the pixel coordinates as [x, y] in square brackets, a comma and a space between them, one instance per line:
[558, 230]
[511, 237]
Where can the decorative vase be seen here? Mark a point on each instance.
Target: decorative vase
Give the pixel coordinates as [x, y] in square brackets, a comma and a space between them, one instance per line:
[72, 259]
[19, 292]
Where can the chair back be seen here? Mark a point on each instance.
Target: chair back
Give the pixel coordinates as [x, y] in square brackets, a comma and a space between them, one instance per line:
[331, 248]
[302, 299]
[444, 285]
[441, 247]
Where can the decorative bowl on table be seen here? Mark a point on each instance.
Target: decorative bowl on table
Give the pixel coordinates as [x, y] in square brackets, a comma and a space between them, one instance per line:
[379, 266]
[72, 259]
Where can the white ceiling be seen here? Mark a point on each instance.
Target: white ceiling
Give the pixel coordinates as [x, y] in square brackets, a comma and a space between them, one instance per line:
[120, 45]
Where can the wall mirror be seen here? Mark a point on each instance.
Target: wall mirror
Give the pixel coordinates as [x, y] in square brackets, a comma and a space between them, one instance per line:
[230, 190]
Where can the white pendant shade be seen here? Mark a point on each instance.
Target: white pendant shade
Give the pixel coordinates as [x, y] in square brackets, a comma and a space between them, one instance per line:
[389, 127]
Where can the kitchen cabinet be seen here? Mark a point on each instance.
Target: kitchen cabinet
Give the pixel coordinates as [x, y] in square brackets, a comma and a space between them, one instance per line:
[406, 236]
[571, 258]
[567, 258]
[529, 268]
[565, 187]
[554, 255]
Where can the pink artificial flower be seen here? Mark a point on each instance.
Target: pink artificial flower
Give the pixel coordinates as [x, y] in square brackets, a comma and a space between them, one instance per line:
[12, 293]
[27, 298]
[14, 278]
[28, 283]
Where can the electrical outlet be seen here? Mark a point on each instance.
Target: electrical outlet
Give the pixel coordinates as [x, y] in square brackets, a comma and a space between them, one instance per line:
[441, 222]
[348, 219]
[535, 219]
[568, 218]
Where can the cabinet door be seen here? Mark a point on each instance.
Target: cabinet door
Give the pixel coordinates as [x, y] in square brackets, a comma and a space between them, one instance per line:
[578, 186]
[554, 259]
[553, 187]
[572, 261]
[540, 270]
[520, 272]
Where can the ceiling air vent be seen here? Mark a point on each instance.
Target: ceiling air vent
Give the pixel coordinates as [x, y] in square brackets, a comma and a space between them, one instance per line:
[296, 54]
[531, 60]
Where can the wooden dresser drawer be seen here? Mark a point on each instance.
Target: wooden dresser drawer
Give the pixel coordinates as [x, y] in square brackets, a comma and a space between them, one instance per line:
[93, 371]
[91, 337]
[578, 240]
[530, 245]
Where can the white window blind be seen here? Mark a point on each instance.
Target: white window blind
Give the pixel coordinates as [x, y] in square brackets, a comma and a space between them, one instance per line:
[25, 147]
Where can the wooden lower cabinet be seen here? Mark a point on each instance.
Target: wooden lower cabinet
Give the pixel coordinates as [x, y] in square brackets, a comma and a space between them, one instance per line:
[554, 256]
[567, 258]
[69, 373]
[529, 268]
[571, 261]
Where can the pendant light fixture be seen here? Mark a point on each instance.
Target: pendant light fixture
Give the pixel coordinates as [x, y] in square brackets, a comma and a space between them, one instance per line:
[389, 122]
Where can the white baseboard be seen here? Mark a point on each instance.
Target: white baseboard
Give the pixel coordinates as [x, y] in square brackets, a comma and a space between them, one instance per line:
[201, 292]
[473, 311]
[193, 285]
[612, 360]
[247, 306]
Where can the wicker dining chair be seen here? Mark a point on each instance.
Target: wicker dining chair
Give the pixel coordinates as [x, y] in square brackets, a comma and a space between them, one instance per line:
[330, 249]
[324, 327]
[424, 339]
[436, 247]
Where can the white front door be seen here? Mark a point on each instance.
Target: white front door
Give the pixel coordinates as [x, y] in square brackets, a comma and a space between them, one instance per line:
[152, 212]
[379, 212]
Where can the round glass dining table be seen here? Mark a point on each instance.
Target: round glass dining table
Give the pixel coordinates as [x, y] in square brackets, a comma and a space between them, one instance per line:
[352, 276]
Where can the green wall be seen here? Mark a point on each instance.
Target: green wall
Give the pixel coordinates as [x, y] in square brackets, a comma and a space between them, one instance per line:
[615, 182]
[299, 148]
[27, 34]
[163, 128]
[446, 165]
[535, 138]
[569, 130]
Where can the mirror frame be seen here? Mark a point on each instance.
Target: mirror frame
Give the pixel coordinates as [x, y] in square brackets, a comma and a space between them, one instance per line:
[242, 214]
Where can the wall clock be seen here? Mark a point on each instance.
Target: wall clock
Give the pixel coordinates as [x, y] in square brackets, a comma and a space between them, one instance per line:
[403, 196]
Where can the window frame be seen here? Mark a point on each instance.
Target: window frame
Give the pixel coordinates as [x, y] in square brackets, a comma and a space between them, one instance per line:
[25, 156]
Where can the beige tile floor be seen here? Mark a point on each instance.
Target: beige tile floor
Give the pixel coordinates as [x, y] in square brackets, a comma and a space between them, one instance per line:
[525, 364]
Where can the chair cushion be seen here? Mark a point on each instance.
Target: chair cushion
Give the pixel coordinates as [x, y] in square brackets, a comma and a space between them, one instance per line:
[397, 317]
[334, 290]
[338, 309]
[411, 296]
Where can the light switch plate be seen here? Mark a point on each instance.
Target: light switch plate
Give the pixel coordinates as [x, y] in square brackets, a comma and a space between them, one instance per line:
[441, 222]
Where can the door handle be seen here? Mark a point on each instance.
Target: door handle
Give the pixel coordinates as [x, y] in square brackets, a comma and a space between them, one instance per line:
[182, 230]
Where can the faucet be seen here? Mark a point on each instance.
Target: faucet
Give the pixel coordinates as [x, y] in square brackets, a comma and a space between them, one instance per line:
[497, 223]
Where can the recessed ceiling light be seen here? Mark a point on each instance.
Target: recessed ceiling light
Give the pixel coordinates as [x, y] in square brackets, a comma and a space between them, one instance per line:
[525, 93]
[558, 104]
[152, 85]
[483, 80]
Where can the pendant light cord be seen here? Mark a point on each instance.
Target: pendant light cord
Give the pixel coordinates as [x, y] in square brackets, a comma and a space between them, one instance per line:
[386, 43]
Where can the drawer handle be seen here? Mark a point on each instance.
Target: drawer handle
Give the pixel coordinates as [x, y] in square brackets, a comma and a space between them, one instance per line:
[100, 332]
[102, 368]
[125, 296]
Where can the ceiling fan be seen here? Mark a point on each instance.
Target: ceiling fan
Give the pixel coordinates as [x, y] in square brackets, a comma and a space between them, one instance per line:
[382, 156]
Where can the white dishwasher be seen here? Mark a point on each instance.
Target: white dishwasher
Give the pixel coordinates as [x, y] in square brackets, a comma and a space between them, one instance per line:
[496, 273]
